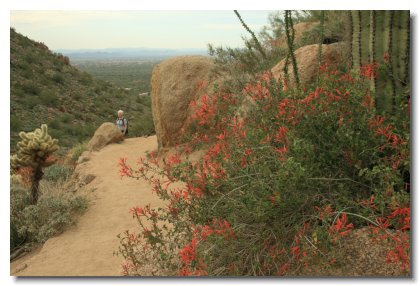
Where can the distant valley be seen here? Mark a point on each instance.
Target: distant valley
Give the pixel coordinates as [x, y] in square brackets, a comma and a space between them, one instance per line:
[126, 54]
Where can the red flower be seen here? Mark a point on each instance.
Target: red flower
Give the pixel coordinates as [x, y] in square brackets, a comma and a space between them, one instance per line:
[281, 134]
[206, 231]
[295, 251]
[369, 202]
[173, 160]
[125, 169]
[221, 136]
[185, 272]
[340, 227]
[136, 211]
[188, 253]
[367, 102]
[281, 152]
[369, 70]
[222, 228]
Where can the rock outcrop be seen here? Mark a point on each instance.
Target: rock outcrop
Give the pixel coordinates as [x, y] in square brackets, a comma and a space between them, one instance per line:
[300, 29]
[175, 83]
[307, 62]
[106, 134]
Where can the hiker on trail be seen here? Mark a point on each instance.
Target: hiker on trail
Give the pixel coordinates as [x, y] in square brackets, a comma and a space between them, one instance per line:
[122, 123]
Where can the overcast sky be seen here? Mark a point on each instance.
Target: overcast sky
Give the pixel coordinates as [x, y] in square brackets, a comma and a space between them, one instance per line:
[133, 29]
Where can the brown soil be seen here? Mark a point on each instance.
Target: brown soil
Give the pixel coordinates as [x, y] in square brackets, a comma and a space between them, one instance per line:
[87, 248]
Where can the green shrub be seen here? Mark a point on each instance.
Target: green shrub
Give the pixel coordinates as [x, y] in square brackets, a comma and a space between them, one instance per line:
[66, 118]
[48, 98]
[58, 78]
[77, 150]
[277, 188]
[58, 172]
[54, 123]
[142, 126]
[31, 102]
[77, 96]
[15, 123]
[55, 210]
[86, 79]
[19, 199]
[31, 88]
[31, 58]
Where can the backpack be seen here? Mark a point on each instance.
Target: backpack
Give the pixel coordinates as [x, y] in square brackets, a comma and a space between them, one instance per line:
[126, 124]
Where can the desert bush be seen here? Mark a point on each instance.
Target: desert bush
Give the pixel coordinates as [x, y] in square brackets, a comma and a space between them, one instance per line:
[54, 124]
[15, 123]
[58, 78]
[56, 209]
[31, 88]
[48, 98]
[141, 126]
[19, 199]
[77, 150]
[31, 58]
[86, 79]
[58, 172]
[66, 118]
[77, 96]
[278, 187]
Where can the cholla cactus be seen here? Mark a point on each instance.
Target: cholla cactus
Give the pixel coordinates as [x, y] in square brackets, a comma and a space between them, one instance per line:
[34, 150]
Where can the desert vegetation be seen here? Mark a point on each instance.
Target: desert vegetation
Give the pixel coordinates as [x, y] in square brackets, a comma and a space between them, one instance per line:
[42, 203]
[276, 168]
[46, 88]
[132, 75]
[288, 176]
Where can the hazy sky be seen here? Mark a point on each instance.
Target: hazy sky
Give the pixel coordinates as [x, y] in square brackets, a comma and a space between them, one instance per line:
[132, 29]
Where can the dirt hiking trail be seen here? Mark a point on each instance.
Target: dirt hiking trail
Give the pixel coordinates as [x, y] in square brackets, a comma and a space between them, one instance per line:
[86, 249]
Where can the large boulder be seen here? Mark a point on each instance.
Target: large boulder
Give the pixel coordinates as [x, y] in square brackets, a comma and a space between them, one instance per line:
[300, 29]
[307, 62]
[175, 83]
[107, 133]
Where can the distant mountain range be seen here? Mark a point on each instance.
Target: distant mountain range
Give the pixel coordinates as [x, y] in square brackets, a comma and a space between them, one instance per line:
[126, 53]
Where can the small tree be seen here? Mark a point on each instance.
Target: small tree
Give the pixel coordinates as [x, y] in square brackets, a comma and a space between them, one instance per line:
[34, 150]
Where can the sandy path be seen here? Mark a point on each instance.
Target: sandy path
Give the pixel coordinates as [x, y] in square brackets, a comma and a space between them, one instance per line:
[87, 248]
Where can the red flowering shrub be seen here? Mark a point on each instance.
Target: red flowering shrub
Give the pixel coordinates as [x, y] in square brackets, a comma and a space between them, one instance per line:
[276, 188]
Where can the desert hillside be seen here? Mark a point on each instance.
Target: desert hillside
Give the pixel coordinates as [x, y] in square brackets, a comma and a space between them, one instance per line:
[46, 88]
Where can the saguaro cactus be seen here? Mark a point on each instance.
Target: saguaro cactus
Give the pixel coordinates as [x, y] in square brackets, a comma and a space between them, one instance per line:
[372, 46]
[383, 37]
[359, 38]
[350, 35]
[34, 150]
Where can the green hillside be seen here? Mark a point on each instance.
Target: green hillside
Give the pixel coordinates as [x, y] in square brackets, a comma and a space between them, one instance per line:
[46, 88]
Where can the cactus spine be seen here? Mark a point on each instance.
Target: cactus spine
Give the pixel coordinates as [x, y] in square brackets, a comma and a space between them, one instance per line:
[34, 151]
